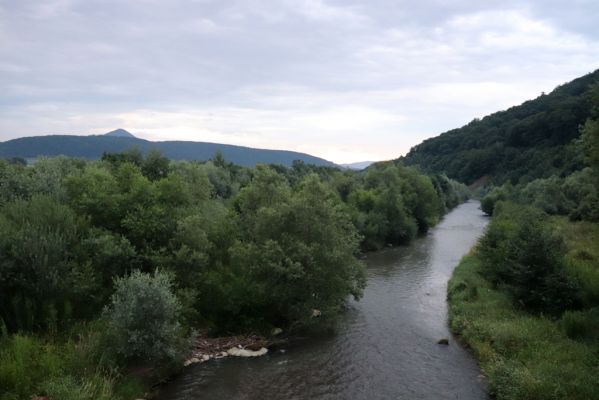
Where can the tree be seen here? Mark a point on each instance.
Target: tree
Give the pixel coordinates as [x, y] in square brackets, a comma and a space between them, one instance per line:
[155, 166]
[520, 253]
[142, 318]
[44, 277]
[298, 252]
[590, 138]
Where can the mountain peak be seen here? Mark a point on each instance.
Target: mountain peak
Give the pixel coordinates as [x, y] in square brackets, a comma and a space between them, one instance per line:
[119, 133]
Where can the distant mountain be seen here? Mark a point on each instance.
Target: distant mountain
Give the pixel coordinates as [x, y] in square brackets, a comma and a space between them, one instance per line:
[358, 165]
[119, 133]
[533, 140]
[92, 147]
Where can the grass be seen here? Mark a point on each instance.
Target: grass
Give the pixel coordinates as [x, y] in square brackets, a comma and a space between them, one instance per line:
[32, 366]
[582, 259]
[524, 356]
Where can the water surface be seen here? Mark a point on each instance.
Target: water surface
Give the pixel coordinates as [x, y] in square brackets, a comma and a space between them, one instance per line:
[386, 345]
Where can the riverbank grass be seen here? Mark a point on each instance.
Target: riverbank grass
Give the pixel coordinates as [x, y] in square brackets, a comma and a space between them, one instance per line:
[32, 366]
[524, 356]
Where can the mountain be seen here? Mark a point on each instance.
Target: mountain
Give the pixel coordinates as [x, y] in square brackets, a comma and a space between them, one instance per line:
[533, 140]
[119, 133]
[358, 165]
[92, 147]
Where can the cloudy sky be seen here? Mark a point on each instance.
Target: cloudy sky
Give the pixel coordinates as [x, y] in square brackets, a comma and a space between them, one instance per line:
[345, 80]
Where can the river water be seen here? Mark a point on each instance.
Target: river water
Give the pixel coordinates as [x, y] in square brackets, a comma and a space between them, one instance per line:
[385, 346]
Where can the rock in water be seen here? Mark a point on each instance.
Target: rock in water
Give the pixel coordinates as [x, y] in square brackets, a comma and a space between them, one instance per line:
[276, 331]
[443, 341]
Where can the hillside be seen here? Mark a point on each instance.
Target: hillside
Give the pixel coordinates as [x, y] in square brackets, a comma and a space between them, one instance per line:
[525, 142]
[92, 147]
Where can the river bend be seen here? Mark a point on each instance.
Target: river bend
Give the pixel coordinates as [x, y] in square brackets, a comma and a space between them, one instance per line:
[386, 345]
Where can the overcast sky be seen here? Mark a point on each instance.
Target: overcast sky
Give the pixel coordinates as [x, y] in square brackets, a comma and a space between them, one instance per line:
[344, 80]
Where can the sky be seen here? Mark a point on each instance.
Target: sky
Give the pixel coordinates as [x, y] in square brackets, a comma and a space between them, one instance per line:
[344, 80]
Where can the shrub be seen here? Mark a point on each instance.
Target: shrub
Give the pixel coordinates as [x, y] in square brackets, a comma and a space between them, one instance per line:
[501, 193]
[143, 319]
[521, 253]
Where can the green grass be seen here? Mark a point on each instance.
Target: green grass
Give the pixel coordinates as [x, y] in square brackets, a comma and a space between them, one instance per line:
[524, 356]
[582, 259]
[32, 366]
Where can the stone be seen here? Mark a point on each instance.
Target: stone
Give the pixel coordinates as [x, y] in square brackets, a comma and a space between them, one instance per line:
[443, 341]
[276, 331]
[237, 352]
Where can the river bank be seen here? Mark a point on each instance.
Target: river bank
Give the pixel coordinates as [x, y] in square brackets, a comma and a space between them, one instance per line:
[530, 355]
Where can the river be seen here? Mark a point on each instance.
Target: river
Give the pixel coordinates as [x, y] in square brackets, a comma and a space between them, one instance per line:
[385, 346]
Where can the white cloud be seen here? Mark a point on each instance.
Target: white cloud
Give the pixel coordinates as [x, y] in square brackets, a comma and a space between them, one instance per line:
[344, 80]
[323, 11]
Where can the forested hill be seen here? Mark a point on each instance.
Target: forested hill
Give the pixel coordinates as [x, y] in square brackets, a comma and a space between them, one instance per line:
[525, 142]
[92, 147]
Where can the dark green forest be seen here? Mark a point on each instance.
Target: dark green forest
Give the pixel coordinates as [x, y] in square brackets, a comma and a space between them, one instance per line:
[537, 139]
[110, 264]
[526, 300]
[571, 193]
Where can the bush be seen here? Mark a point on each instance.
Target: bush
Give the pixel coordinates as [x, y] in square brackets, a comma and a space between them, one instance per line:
[521, 253]
[143, 319]
[501, 193]
[524, 356]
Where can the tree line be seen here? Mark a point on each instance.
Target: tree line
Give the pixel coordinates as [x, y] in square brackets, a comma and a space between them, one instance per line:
[537, 139]
[244, 248]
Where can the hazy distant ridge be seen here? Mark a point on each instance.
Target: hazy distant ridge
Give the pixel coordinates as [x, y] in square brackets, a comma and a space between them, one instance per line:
[92, 147]
[358, 165]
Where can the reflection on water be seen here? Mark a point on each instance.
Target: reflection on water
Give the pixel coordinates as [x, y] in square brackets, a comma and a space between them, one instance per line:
[385, 347]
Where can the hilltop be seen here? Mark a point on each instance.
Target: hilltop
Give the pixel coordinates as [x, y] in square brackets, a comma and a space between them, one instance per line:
[93, 146]
[536, 139]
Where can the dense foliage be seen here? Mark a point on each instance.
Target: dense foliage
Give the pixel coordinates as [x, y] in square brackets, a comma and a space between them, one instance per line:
[521, 253]
[533, 140]
[575, 195]
[527, 303]
[238, 249]
[246, 247]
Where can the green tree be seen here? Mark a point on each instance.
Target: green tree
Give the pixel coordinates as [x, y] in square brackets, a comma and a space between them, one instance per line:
[142, 319]
[590, 138]
[298, 251]
[155, 166]
[44, 277]
[520, 253]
